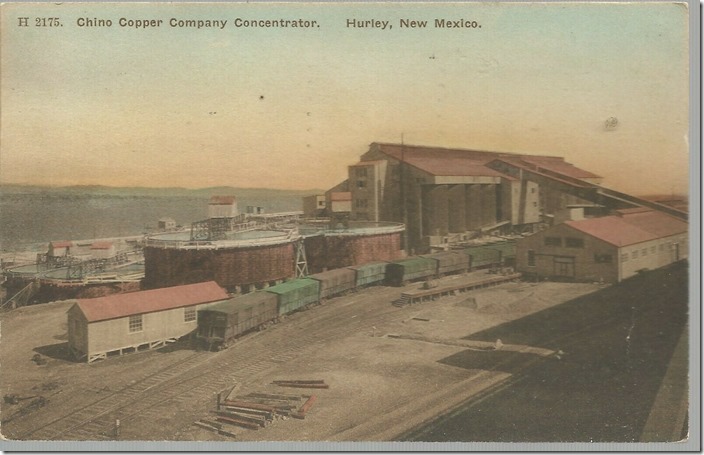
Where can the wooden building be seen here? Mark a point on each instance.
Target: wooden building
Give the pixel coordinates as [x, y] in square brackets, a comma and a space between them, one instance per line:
[60, 248]
[222, 207]
[102, 250]
[136, 321]
[608, 249]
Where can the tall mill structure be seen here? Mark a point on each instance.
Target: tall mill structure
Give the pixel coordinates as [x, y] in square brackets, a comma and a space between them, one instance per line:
[443, 193]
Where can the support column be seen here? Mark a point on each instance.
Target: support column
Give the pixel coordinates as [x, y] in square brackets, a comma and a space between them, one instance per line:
[435, 210]
[456, 208]
[473, 207]
[488, 196]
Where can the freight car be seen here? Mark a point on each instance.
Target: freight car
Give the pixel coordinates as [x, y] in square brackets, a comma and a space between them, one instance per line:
[370, 274]
[221, 323]
[296, 294]
[449, 262]
[400, 272]
[490, 255]
[335, 282]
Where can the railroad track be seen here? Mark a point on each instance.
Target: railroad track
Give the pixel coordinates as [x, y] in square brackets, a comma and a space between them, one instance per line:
[197, 377]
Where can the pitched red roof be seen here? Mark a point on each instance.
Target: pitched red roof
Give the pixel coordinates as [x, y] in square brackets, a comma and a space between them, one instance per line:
[222, 200]
[630, 229]
[131, 303]
[442, 161]
[445, 162]
[61, 244]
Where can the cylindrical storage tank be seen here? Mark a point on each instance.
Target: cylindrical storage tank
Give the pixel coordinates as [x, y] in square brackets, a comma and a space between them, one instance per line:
[330, 251]
[229, 263]
[334, 282]
[399, 272]
[358, 242]
[449, 262]
[295, 294]
[370, 274]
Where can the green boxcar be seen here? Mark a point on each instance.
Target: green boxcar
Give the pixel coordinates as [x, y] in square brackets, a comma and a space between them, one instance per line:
[399, 272]
[491, 254]
[449, 262]
[222, 322]
[370, 274]
[334, 282]
[295, 294]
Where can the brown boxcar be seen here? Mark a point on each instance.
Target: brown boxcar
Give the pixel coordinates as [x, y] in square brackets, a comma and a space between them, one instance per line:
[221, 323]
[335, 282]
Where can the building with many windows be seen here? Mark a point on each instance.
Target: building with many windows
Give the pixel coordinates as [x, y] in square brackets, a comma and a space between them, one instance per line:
[609, 249]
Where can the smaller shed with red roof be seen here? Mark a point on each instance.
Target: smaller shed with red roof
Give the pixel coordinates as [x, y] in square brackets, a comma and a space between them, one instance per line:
[137, 321]
[610, 248]
[60, 248]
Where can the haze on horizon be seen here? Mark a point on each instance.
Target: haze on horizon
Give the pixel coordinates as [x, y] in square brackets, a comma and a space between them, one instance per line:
[290, 109]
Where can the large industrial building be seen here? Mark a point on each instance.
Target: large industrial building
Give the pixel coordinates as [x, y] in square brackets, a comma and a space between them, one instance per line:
[447, 195]
[608, 249]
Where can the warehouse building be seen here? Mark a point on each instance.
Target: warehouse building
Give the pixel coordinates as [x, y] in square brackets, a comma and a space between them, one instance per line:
[447, 196]
[442, 193]
[136, 321]
[608, 249]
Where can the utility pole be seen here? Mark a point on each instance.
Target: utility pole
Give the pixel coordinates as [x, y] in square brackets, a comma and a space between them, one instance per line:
[404, 211]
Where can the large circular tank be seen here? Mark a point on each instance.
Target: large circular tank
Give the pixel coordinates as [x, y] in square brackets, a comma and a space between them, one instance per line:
[238, 262]
[355, 243]
[247, 259]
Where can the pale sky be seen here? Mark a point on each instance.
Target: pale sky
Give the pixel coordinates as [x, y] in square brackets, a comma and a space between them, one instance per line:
[291, 108]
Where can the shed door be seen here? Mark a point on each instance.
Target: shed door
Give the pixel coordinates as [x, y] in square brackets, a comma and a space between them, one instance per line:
[563, 266]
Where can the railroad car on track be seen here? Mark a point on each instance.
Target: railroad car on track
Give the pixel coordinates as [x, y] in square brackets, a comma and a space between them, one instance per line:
[401, 272]
[296, 294]
[370, 274]
[449, 262]
[335, 282]
[220, 324]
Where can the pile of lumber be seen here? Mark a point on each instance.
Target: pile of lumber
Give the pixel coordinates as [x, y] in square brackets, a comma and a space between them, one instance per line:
[254, 410]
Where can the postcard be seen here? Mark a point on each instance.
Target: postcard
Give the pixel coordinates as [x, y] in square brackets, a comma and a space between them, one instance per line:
[349, 226]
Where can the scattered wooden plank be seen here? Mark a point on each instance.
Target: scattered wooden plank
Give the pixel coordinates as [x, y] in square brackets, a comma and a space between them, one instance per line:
[308, 404]
[238, 422]
[301, 381]
[212, 422]
[250, 405]
[227, 433]
[256, 412]
[261, 421]
[205, 425]
[304, 385]
[275, 396]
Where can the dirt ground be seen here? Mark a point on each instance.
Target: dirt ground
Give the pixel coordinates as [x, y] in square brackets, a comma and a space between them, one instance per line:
[387, 366]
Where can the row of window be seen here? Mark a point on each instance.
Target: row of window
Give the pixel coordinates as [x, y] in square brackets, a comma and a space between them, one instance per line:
[598, 258]
[136, 323]
[644, 251]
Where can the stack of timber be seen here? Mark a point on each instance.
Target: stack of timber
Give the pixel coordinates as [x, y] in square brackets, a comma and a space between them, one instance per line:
[255, 410]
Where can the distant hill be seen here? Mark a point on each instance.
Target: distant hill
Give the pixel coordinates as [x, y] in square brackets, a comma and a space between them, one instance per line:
[240, 193]
[33, 215]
